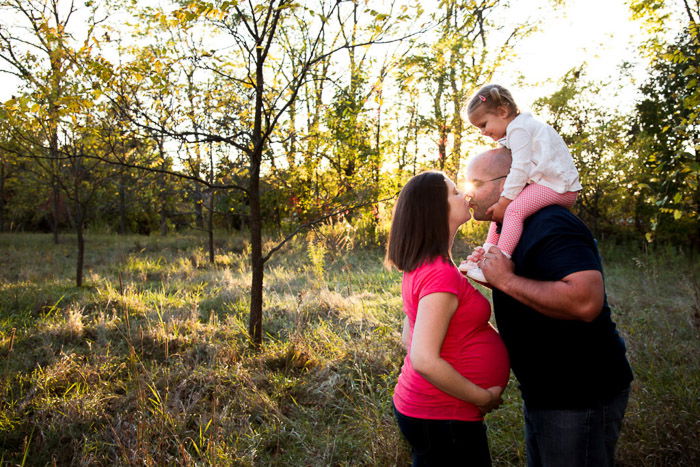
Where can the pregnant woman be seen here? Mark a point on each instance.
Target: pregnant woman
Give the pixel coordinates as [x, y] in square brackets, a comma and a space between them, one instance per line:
[456, 366]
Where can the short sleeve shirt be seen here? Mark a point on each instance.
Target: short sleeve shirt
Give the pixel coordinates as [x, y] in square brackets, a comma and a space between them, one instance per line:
[560, 363]
[471, 345]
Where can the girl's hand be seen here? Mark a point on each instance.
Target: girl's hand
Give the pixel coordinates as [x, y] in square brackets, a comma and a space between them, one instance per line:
[498, 210]
[494, 401]
[472, 260]
[477, 254]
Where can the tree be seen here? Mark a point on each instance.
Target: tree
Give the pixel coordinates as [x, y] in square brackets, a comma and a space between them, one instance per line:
[258, 95]
[36, 46]
[667, 125]
[453, 66]
[8, 172]
[595, 136]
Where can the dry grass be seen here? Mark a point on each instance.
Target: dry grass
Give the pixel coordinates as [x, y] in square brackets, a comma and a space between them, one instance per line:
[150, 363]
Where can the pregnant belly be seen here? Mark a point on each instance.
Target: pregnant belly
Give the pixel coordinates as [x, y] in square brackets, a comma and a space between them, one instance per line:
[484, 360]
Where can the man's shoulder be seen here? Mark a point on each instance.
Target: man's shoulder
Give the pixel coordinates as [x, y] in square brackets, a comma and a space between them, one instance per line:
[554, 244]
[553, 217]
[553, 221]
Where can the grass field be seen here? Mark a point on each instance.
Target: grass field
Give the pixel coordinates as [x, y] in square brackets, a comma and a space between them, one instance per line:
[150, 363]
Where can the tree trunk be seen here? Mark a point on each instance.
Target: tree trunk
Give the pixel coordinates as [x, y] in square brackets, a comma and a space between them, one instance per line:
[163, 223]
[457, 127]
[457, 122]
[54, 155]
[441, 126]
[122, 206]
[55, 196]
[81, 249]
[256, 258]
[210, 227]
[162, 192]
[2, 197]
[442, 145]
[198, 214]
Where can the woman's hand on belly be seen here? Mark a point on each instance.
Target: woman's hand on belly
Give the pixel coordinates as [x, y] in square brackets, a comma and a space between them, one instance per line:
[495, 392]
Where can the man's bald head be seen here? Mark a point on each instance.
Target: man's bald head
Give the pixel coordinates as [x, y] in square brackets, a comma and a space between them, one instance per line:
[492, 163]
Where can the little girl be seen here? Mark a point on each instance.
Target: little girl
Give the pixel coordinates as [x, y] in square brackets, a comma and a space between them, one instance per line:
[542, 172]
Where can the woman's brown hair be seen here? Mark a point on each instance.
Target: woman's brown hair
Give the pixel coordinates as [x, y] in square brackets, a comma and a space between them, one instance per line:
[420, 226]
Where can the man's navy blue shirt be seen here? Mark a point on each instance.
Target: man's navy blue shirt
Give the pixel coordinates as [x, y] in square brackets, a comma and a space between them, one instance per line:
[560, 363]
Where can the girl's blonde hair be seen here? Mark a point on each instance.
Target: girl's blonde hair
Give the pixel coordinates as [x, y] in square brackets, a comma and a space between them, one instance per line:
[493, 96]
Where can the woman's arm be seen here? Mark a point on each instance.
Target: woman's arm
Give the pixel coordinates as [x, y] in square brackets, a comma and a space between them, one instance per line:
[405, 333]
[432, 320]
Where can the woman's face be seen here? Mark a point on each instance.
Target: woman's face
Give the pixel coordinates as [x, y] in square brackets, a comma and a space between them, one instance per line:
[458, 205]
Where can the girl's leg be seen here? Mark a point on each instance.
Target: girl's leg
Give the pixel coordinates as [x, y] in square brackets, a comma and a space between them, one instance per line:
[493, 235]
[533, 198]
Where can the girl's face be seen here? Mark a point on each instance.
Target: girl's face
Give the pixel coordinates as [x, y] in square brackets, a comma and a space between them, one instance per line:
[492, 122]
[458, 205]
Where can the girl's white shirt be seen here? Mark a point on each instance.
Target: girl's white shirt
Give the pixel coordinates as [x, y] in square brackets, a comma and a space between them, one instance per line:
[539, 156]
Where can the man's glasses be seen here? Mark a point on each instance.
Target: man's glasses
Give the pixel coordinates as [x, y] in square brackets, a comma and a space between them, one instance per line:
[476, 184]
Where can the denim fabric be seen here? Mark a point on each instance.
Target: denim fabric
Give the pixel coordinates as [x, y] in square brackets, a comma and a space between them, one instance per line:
[445, 442]
[576, 437]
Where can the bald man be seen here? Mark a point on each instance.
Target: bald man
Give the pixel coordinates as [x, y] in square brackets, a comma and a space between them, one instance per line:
[553, 316]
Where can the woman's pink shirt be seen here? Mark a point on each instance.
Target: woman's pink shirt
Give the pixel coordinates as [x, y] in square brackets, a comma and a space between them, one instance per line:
[471, 345]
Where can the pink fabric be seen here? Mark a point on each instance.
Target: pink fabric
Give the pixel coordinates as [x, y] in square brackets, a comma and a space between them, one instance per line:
[533, 198]
[471, 345]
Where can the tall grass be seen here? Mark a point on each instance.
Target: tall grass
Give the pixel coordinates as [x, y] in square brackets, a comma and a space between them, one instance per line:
[149, 363]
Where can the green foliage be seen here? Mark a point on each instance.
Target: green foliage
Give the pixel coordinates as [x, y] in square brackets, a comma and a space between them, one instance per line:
[449, 68]
[612, 199]
[317, 252]
[653, 294]
[667, 133]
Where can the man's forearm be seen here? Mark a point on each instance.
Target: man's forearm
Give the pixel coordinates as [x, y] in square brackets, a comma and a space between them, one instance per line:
[578, 296]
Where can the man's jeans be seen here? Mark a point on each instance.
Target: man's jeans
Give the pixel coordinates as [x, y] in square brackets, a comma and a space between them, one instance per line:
[572, 438]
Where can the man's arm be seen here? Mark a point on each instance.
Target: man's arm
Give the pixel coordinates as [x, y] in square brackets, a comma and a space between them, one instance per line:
[578, 296]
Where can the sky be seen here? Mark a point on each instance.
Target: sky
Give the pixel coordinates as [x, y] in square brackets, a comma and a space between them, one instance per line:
[598, 32]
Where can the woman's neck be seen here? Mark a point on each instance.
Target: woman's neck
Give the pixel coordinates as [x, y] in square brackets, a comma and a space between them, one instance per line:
[453, 234]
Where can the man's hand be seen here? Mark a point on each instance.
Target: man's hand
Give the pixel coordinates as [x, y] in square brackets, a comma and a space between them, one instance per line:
[496, 266]
[498, 210]
[494, 402]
